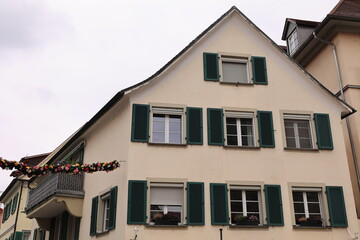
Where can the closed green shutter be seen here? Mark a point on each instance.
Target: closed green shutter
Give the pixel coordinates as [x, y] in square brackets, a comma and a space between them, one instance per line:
[323, 131]
[52, 228]
[137, 202]
[9, 209]
[63, 226]
[94, 213]
[19, 235]
[15, 200]
[140, 123]
[77, 228]
[194, 126]
[259, 70]
[219, 204]
[336, 203]
[215, 126]
[266, 129]
[113, 203]
[211, 67]
[195, 203]
[274, 209]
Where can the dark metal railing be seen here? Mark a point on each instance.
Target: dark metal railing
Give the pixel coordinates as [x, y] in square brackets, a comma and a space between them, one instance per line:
[55, 184]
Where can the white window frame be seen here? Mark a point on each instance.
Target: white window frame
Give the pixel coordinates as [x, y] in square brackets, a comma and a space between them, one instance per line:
[235, 58]
[248, 186]
[305, 116]
[167, 111]
[167, 183]
[238, 114]
[105, 204]
[305, 190]
[293, 41]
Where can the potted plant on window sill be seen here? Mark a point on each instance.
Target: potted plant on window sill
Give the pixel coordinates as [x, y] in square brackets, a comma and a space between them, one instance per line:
[165, 219]
[247, 220]
[311, 221]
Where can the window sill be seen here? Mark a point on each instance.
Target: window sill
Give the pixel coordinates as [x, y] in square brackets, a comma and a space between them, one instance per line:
[240, 147]
[166, 226]
[248, 226]
[311, 227]
[232, 83]
[102, 233]
[302, 149]
[168, 144]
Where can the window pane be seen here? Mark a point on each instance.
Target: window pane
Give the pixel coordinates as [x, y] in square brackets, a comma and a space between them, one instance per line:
[290, 142]
[251, 195]
[231, 121]
[158, 137]
[175, 138]
[236, 207]
[299, 208]
[232, 140]
[231, 129]
[299, 217]
[252, 206]
[312, 196]
[158, 126]
[247, 141]
[246, 121]
[298, 196]
[158, 117]
[234, 72]
[289, 132]
[246, 130]
[305, 143]
[314, 208]
[235, 195]
[175, 127]
[304, 132]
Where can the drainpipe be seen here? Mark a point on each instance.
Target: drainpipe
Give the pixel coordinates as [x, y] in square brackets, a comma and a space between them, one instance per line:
[221, 236]
[346, 119]
[18, 207]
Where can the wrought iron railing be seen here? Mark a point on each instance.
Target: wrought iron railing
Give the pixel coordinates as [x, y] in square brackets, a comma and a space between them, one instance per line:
[55, 184]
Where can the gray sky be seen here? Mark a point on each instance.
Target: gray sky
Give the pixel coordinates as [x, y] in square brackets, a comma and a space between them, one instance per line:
[62, 60]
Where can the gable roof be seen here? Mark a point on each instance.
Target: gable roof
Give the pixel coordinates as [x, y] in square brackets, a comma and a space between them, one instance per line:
[120, 94]
[297, 22]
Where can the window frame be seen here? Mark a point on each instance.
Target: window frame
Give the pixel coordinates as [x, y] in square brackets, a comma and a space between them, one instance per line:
[104, 212]
[295, 37]
[299, 115]
[235, 58]
[232, 112]
[310, 187]
[167, 183]
[166, 110]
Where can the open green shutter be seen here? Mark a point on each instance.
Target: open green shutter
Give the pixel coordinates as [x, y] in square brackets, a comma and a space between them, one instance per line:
[140, 123]
[194, 126]
[336, 203]
[35, 234]
[215, 126]
[19, 235]
[63, 226]
[113, 202]
[195, 203]
[94, 213]
[323, 131]
[274, 211]
[211, 67]
[259, 70]
[137, 202]
[52, 228]
[15, 200]
[219, 204]
[266, 129]
[77, 228]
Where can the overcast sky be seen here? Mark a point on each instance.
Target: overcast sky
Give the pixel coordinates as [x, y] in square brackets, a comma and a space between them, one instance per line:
[62, 60]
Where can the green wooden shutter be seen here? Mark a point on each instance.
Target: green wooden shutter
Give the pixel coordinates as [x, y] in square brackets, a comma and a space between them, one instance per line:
[266, 129]
[63, 226]
[137, 202]
[19, 235]
[52, 228]
[15, 200]
[113, 203]
[35, 234]
[211, 67]
[323, 131]
[219, 204]
[9, 208]
[94, 213]
[140, 123]
[195, 203]
[77, 228]
[259, 70]
[336, 203]
[274, 211]
[215, 126]
[194, 126]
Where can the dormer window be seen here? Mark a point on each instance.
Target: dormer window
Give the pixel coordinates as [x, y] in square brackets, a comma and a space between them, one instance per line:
[293, 42]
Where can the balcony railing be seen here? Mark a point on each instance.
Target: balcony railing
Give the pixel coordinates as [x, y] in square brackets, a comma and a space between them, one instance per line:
[56, 184]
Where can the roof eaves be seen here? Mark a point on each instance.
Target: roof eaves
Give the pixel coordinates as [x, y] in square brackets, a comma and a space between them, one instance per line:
[8, 188]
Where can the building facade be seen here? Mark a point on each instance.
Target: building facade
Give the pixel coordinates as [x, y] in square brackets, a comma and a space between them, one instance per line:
[229, 140]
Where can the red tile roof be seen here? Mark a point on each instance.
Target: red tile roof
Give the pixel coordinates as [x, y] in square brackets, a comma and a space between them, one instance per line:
[347, 8]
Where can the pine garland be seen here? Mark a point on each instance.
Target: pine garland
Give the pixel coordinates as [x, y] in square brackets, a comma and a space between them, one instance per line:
[67, 168]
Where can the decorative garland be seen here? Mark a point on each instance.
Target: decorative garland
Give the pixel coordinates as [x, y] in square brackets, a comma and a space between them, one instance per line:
[67, 168]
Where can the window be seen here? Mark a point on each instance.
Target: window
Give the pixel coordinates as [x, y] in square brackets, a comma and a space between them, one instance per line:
[308, 207]
[167, 125]
[76, 155]
[166, 203]
[245, 205]
[105, 202]
[235, 69]
[298, 131]
[240, 128]
[293, 42]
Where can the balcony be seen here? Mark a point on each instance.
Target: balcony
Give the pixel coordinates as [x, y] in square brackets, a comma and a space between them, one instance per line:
[54, 194]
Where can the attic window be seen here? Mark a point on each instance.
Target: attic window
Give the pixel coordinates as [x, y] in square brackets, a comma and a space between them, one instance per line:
[293, 42]
[235, 70]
